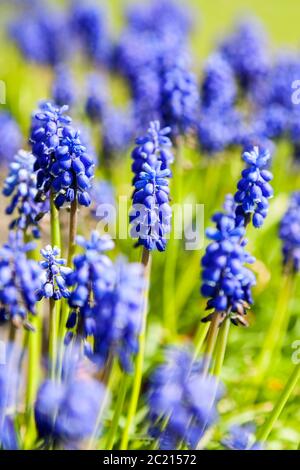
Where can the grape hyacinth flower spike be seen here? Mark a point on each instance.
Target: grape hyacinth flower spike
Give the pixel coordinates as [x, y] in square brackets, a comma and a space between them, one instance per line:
[93, 276]
[289, 232]
[62, 163]
[226, 282]
[19, 281]
[54, 275]
[151, 213]
[254, 189]
[21, 184]
[182, 401]
[119, 317]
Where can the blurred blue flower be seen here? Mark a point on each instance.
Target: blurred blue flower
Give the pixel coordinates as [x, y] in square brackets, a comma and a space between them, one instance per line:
[63, 88]
[118, 129]
[246, 51]
[43, 35]
[93, 277]
[10, 137]
[241, 438]
[19, 280]
[119, 318]
[180, 98]
[89, 23]
[21, 184]
[67, 411]
[182, 401]
[218, 88]
[254, 189]
[97, 97]
[226, 282]
[289, 233]
[54, 275]
[102, 193]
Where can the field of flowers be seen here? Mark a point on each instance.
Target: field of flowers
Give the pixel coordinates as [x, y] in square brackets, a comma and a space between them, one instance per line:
[150, 225]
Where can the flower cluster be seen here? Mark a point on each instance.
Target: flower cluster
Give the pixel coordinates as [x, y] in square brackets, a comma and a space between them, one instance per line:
[241, 438]
[246, 52]
[54, 275]
[21, 184]
[180, 98]
[117, 131]
[89, 24]
[218, 87]
[119, 318]
[63, 88]
[151, 213]
[225, 280]
[289, 233]
[182, 401]
[92, 277]
[97, 97]
[62, 163]
[254, 189]
[19, 280]
[67, 412]
[10, 137]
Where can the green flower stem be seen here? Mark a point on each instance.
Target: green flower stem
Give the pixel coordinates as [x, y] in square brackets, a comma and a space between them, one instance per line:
[53, 338]
[137, 380]
[111, 437]
[53, 308]
[211, 342]
[169, 276]
[276, 329]
[265, 430]
[221, 347]
[55, 226]
[200, 338]
[73, 223]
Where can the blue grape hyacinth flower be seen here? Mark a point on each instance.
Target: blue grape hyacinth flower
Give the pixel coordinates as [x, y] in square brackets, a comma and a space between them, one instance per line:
[180, 98]
[226, 282]
[254, 188]
[289, 233]
[63, 87]
[66, 412]
[119, 317]
[93, 276]
[241, 438]
[150, 216]
[62, 162]
[218, 88]
[182, 401]
[54, 275]
[21, 185]
[154, 146]
[10, 137]
[19, 281]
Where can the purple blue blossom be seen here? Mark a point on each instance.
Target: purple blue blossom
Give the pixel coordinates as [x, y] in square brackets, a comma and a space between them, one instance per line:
[182, 401]
[254, 188]
[93, 276]
[19, 280]
[21, 184]
[97, 97]
[226, 282]
[63, 87]
[119, 318]
[10, 137]
[289, 233]
[241, 438]
[62, 162]
[54, 274]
